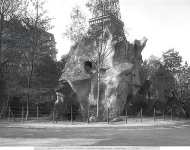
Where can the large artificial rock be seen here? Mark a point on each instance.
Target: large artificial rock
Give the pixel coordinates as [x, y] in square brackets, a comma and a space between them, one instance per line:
[119, 70]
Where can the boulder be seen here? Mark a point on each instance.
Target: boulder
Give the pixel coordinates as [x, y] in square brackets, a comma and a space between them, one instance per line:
[119, 69]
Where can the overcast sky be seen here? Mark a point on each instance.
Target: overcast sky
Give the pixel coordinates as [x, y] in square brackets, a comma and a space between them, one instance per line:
[166, 23]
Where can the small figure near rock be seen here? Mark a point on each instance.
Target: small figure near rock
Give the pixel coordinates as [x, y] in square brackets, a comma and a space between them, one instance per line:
[92, 119]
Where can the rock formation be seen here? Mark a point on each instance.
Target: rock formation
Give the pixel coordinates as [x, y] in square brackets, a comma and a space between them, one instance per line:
[119, 68]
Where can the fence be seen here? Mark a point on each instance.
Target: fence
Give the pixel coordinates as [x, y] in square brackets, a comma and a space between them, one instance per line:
[38, 113]
[18, 113]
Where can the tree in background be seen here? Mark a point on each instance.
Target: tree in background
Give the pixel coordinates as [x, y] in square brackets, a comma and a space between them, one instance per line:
[27, 45]
[61, 64]
[78, 27]
[37, 23]
[149, 67]
[9, 9]
[169, 80]
[172, 60]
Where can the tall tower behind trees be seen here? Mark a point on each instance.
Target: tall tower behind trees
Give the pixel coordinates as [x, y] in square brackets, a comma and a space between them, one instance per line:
[105, 12]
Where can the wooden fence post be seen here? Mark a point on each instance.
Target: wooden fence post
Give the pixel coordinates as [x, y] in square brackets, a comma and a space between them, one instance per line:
[108, 115]
[53, 115]
[141, 114]
[22, 113]
[154, 114]
[163, 115]
[9, 113]
[71, 114]
[37, 115]
[126, 116]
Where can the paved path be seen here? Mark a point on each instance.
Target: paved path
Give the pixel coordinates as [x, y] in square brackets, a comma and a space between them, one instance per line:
[173, 135]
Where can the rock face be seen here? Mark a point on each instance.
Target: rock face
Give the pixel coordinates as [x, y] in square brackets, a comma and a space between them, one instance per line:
[119, 69]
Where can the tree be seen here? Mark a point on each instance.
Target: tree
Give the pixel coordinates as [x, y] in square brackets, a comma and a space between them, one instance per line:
[149, 67]
[79, 24]
[110, 7]
[78, 27]
[172, 60]
[159, 82]
[46, 73]
[182, 82]
[37, 23]
[9, 9]
[61, 64]
[163, 81]
[26, 47]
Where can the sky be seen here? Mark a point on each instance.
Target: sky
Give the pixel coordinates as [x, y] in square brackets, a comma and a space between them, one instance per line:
[165, 23]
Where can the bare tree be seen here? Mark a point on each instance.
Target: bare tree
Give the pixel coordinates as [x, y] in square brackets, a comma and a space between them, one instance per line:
[103, 51]
[37, 23]
[9, 9]
[78, 28]
[100, 9]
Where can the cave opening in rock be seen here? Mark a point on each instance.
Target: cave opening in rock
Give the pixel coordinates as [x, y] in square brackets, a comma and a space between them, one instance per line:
[88, 66]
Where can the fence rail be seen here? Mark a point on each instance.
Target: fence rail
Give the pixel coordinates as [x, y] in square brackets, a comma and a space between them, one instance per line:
[38, 114]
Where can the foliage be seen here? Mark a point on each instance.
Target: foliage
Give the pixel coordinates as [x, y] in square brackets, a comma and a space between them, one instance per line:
[96, 7]
[149, 67]
[182, 83]
[29, 63]
[79, 24]
[172, 60]
[78, 27]
[163, 82]
[9, 10]
[170, 81]
[46, 73]
[61, 64]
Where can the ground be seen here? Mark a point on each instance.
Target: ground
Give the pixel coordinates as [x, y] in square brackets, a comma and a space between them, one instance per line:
[172, 133]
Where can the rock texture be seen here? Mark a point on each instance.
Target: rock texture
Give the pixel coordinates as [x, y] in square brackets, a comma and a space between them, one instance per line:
[119, 68]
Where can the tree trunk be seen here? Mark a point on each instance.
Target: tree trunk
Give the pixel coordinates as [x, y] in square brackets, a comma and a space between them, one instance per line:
[88, 112]
[22, 113]
[28, 95]
[1, 36]
[9, 115]
[98, 94]
[53, 114]
[29, 86]
[35, 47]
[71, 114]
[27, 106]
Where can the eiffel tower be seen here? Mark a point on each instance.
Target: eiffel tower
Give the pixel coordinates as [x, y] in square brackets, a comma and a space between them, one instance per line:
[109, 13]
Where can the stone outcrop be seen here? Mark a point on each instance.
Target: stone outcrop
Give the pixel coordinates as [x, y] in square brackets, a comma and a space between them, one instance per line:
[119, 68]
